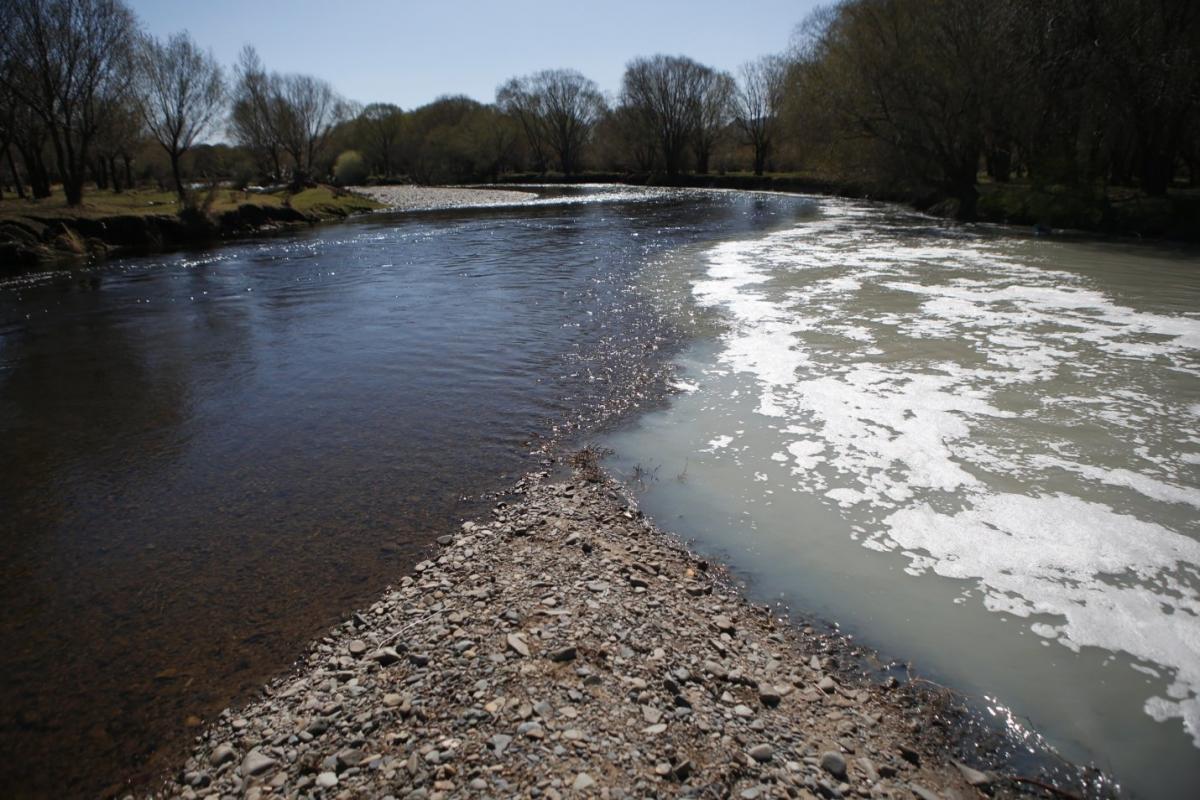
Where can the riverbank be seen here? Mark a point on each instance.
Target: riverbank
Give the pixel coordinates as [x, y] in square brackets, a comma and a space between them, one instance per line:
[1116, 212]
[566, 647]
[38, 233]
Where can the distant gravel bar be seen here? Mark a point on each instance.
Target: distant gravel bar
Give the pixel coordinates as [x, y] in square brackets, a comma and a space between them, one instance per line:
[431, 198]
[565, 647]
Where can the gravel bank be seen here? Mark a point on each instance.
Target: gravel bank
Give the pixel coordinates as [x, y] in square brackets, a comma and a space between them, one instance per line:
[565, 647]
[430, 198]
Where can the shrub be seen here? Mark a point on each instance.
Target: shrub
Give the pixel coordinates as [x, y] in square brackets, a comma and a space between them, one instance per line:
[349, 169]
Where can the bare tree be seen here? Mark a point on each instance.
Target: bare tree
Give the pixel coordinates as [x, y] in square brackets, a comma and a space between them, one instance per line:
[181, 94]
[557, 110]
[255, 111]
[713, 116]
[69, 56]
[756, 105]
[667, 92]
[309, 110]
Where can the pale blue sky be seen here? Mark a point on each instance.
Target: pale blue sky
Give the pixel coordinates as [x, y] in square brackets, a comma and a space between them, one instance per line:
[408, 52]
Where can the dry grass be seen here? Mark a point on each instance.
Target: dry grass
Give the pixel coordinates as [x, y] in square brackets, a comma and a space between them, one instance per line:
[321, 201]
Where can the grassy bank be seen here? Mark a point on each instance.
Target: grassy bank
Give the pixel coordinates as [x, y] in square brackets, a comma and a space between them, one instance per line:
[1112, 210]
[38, 232]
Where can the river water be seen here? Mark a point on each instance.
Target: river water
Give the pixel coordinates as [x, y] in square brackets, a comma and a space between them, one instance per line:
[972, 449]
[211, 457]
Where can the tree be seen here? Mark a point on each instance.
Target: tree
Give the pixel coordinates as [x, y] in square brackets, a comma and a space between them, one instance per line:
[254, 119]
[379, 126]
[756, 105]
[308, 111]
[69, 57]
[181, 94]
[716, 99]
[557, 110]
[667, 92]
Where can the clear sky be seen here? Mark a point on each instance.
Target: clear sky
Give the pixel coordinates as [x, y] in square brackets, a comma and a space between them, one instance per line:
[410, 51]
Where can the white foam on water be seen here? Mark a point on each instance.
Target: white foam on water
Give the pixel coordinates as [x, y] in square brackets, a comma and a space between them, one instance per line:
[987, 379]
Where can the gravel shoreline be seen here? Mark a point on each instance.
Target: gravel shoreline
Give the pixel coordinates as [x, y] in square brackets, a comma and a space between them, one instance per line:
[565, 647]
[432, 198]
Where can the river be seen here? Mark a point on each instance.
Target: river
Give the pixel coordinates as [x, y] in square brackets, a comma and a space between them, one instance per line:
[971, 448]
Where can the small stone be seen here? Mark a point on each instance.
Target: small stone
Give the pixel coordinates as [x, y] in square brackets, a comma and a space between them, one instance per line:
[651, 714]
[724, 624]
[768, 695]
[224, 753]
[327, 780]
[479, 784]
[682, 770]
[655, 730]
[563, 654]
[516, 643]
[256, 762]
[384, 656]
[445, 541]
[357, 647]
[418, 659]
[910, 755]
[972, 776]
[762, 752]
[742, 710]
[583, 782]
[391, 700]
[531, 729]
[923, 793]
[833, 763]
[827, 685]
[500, 742]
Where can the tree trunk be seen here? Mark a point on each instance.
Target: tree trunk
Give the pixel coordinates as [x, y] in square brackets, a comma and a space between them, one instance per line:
[12, 167]
[1156, 173]
[112, 172]
[128, 171]
[100, 173]
[178, 180]
[968, 202]
[760, 159]
[702, 162]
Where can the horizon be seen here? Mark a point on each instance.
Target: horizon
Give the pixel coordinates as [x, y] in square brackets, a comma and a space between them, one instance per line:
[597, 42]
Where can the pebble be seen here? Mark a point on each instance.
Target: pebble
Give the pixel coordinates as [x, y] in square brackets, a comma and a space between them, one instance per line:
[563, 654]
[583, 782]
[327, 780]
[764, 752]
[516, 643]
[256, 762]
[834, 763]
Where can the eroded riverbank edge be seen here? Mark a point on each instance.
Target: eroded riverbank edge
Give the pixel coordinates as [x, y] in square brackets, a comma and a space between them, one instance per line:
[566, 646]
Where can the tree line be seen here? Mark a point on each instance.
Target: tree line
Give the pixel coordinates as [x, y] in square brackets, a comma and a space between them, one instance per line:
[924, 95]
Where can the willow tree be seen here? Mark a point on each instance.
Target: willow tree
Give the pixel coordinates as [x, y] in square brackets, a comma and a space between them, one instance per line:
[557, 110]
[68, 59]
[757, 103]
[181, 93]
[667, 92]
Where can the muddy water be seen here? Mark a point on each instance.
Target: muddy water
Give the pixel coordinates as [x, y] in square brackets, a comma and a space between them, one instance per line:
[208, 458]
[973, 449]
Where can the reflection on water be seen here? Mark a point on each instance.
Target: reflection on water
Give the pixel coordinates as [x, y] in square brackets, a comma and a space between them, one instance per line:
[209, 458]
[978, 451]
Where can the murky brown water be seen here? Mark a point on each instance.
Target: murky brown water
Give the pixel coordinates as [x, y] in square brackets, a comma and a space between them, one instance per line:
[209, 458]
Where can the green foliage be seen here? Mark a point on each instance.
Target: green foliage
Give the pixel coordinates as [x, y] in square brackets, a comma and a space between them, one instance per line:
[350, 169]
